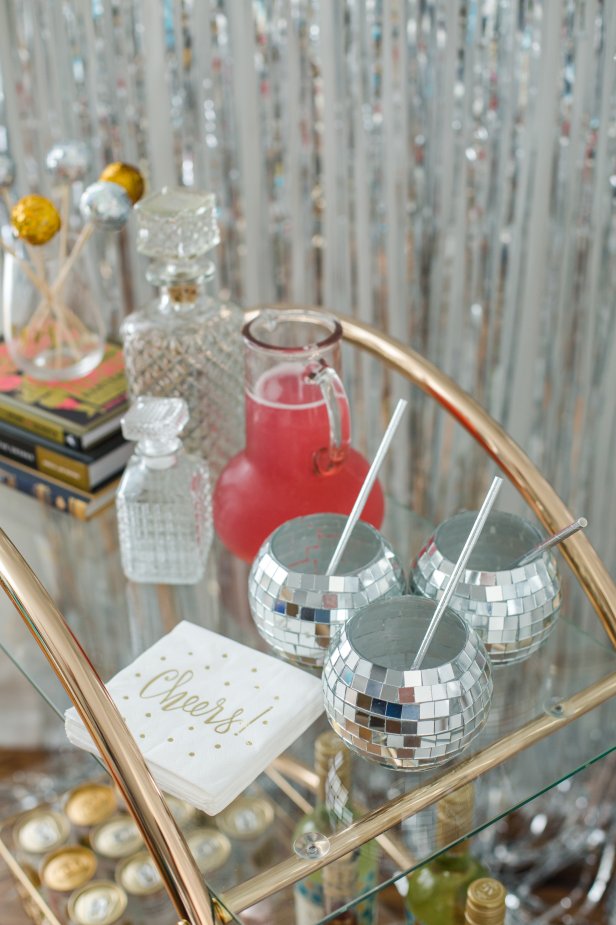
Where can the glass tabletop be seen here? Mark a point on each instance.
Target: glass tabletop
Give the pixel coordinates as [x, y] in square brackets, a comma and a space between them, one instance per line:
[116, 620]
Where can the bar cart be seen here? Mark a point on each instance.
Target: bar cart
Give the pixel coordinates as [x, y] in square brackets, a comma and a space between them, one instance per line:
[562, 724]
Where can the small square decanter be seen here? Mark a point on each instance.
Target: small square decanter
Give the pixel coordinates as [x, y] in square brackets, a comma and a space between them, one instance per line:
[187, 343]
[164, 499]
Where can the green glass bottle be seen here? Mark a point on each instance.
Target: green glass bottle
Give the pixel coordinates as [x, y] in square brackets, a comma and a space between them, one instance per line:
[339, 883]
[437, 891]
[485, 903]
[322, 893]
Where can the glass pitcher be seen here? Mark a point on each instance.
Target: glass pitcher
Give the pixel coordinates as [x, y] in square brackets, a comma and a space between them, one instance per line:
[298, 459]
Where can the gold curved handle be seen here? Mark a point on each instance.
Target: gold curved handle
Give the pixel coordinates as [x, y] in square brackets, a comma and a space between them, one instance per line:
[551, 511]
[117, 747]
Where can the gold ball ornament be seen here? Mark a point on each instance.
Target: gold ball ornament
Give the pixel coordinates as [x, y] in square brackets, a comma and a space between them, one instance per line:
[127, 176]
[35, 219]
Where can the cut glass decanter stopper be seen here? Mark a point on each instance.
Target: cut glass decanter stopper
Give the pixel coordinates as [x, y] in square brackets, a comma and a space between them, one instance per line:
[155, 422]
[177, 224]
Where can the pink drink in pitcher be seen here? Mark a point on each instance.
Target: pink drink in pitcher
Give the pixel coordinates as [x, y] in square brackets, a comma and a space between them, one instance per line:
[297, 458]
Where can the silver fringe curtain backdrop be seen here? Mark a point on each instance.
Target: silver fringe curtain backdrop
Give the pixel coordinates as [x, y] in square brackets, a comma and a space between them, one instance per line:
[445, 170]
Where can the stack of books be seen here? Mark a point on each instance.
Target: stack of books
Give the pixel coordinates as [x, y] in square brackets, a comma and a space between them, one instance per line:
[61, 441]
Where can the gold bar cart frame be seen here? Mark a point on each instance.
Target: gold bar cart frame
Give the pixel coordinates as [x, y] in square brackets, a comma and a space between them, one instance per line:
[123, 759]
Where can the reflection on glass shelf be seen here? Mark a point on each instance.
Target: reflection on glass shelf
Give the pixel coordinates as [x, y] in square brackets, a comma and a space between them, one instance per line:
[114, 620]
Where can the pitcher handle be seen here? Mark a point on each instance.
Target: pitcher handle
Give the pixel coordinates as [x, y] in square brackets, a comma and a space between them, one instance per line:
[328, 458]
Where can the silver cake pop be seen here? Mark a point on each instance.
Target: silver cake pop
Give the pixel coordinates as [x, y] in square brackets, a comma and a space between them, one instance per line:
[68, 161]
[106, 205]
[7, 170]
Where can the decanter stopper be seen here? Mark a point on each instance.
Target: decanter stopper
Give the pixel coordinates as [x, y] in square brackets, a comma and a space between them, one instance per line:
[177, 225]
[155, 423]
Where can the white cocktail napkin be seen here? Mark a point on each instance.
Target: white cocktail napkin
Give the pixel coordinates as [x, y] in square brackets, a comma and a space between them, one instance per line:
[209, 714]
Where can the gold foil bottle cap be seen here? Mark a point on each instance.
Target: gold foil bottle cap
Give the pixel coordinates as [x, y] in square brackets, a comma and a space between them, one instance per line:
[116, 838]
[101, 902]
[454, 815]
[138, 875]
[41, 830]
[210, 849]
[329, 751]
[90, 804]
[485, 903]
[68, 868]
[182, 811]
[246, 818]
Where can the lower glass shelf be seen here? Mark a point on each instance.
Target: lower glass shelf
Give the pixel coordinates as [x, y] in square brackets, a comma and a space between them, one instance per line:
[116, 620]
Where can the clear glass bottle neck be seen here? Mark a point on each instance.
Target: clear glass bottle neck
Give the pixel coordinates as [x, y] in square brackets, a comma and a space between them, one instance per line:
[182, 287]
[159, 453]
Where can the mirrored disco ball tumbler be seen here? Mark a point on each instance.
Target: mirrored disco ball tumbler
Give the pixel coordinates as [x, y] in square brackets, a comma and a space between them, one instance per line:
[513, 609]
[295, 605]
[394, 715]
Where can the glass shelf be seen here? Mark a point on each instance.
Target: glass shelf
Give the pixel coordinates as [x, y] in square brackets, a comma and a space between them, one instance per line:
[116, 620]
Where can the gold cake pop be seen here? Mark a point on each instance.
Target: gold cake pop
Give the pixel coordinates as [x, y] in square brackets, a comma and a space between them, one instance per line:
[127, 176]
[35, 219]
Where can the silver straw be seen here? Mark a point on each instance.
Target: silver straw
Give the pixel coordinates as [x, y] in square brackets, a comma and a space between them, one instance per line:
[553, 540]
[362, 497]
[458, 568]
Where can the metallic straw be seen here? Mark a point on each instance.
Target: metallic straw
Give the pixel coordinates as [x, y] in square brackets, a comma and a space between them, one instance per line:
[554, 540]
[367, 486]
[459, 567]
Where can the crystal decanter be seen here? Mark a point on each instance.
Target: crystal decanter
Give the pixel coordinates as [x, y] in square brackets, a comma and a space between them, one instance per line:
[187, 343]
[164, 502]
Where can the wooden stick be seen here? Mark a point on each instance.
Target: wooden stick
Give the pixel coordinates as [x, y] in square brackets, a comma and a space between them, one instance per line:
[25, 266]
[40, 283]
[8, 202]
[59, 310]
[49, 294]
[36, 259]
[65, 205]
[84, 236]
[58, 283]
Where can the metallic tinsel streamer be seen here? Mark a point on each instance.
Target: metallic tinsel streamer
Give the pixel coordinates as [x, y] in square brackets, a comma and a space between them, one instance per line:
[444, 171]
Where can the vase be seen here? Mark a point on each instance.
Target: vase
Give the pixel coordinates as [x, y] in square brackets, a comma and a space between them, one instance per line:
[52, 334]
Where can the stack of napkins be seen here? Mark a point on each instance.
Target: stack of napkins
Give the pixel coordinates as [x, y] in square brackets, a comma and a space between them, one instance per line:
[208, 713]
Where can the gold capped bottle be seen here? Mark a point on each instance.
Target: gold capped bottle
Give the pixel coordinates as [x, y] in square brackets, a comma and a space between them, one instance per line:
[437, 890]
[485, 903]
[341, 881]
